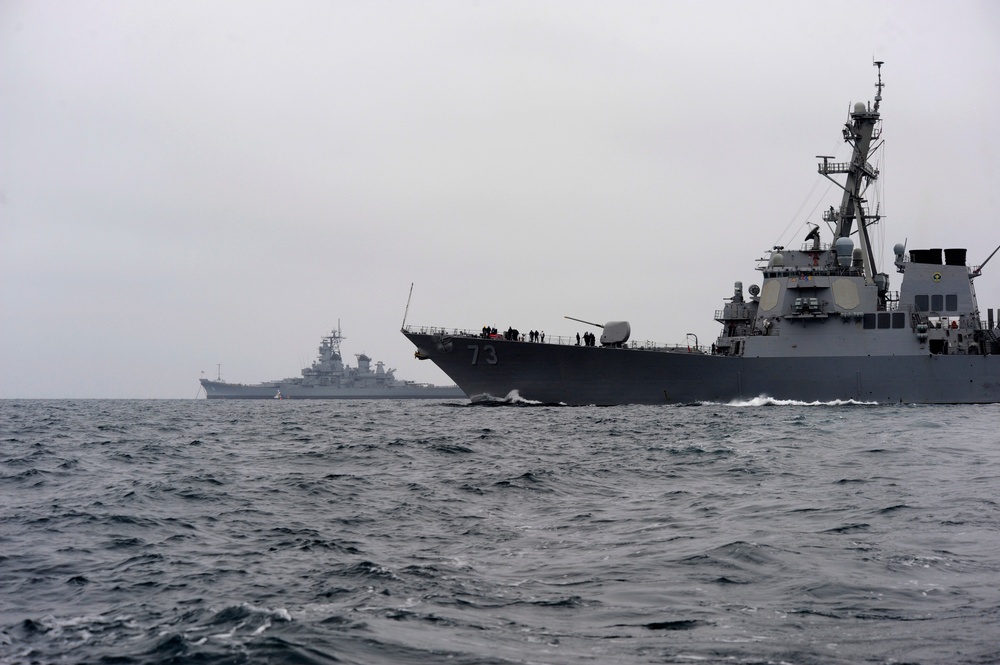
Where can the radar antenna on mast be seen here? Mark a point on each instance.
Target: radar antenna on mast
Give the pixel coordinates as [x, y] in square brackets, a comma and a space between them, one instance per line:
[879, 85]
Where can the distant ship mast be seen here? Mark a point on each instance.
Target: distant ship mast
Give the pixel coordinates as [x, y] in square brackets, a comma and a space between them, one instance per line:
[859, 133]
[335, 338]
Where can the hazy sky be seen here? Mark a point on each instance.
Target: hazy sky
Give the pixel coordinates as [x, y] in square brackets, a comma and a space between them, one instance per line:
[199, 183]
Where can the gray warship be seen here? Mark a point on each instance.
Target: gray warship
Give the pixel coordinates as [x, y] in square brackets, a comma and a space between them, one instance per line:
[822, 325]
[329, 378]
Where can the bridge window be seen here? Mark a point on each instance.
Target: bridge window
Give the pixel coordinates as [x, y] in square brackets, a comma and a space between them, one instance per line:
[951, 303]
[922, 303]
[884, 320]
[937, 303]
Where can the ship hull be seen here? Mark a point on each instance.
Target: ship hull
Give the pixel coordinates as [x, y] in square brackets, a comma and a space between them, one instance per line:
[281, 390]
[582, 375]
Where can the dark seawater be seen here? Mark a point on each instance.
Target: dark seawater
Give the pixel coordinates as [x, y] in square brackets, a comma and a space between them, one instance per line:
[438, 532]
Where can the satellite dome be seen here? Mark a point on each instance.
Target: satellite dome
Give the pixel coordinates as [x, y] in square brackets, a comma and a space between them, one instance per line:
[859, 107]
[845, 249]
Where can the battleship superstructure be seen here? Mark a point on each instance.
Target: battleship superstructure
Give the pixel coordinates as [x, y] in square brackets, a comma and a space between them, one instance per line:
[823, 325]
[329, 378]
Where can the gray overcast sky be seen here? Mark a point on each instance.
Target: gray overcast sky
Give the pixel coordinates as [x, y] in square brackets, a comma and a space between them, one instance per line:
[188, 184]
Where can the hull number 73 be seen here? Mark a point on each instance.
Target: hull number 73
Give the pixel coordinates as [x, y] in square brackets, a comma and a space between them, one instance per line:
[489, 354]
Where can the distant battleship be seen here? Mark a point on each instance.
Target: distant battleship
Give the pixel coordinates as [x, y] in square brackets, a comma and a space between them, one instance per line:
[329, 378]
[822, 325]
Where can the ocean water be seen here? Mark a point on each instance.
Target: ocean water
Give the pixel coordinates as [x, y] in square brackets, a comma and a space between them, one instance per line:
[440, 532]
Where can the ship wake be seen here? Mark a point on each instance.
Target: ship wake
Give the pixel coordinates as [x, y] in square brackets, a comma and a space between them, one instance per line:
[763, 400]
[513, 398]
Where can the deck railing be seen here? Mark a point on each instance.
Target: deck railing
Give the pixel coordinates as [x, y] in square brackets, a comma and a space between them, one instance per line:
[555, 339]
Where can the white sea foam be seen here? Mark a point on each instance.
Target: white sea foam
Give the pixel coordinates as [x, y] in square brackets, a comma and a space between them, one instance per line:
[763, 400]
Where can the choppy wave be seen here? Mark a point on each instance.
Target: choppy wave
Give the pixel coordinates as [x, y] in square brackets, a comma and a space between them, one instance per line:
[402, 532]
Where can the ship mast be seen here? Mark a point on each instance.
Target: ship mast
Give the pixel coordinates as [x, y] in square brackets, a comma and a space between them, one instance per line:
[859, 132]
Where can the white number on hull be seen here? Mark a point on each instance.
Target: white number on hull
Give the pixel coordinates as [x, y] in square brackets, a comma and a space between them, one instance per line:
[488, 350]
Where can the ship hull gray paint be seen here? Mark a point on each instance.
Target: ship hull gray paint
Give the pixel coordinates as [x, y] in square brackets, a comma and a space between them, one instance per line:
[222, 390]
[582, 375]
